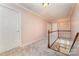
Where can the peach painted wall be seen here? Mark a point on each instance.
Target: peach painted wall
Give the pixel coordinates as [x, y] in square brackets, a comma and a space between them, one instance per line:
[33, 28]
[75, 21]
[64, 24]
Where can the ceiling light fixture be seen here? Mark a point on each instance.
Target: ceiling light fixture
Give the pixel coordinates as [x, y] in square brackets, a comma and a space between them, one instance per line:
[45, 4]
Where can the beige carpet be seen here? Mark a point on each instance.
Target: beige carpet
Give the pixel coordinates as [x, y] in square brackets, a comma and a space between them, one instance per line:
[37, 49]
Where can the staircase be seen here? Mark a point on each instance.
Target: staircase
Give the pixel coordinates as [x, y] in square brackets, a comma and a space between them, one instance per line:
[63, 42]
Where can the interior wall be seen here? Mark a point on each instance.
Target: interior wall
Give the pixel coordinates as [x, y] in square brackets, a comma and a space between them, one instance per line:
[64, 24]
[60, 24]
[33, 28]
[49, 27]
[75, 21]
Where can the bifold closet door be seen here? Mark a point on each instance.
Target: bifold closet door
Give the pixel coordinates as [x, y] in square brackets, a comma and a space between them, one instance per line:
[9, 31]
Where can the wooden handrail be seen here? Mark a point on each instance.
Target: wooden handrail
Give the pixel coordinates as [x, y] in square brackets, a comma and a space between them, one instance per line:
[64, 30]
[48, 39]
[74, 41]
[57, 37]
[58, 34]
[52, 31]
[49, 32]
[60, 31]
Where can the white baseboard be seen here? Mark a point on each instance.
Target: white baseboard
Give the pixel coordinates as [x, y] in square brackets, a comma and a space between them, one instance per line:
[32, 42]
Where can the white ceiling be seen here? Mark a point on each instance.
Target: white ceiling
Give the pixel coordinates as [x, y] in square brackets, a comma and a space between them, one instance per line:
[53, 11]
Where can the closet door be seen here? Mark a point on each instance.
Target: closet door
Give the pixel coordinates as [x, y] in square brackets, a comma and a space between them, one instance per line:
[9, 30]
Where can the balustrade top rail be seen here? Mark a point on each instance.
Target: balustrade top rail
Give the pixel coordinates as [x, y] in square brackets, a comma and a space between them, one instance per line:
[59, 31]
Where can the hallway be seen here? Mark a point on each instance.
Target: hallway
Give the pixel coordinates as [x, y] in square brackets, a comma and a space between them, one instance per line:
[25, 31]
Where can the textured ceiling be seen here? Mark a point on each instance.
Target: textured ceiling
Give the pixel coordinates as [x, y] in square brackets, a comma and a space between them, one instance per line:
[53, 11]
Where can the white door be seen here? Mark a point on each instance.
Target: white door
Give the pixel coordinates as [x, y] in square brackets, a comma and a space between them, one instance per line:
[9, 30]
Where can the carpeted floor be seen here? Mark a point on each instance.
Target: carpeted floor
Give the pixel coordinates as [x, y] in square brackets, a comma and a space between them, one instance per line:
[37, 49]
